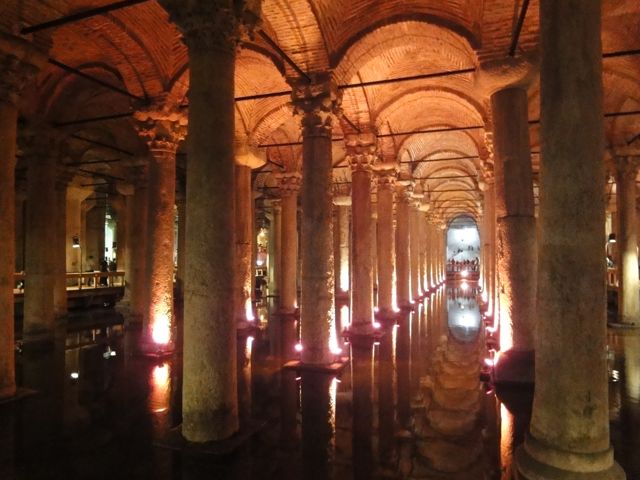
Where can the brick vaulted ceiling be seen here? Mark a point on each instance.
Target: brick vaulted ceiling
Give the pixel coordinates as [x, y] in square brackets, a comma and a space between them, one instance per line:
[140, 51]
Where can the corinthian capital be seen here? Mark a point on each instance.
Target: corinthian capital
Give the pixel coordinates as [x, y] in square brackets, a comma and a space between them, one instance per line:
[361, 151]
[162, 126]
[213, 24]
[19, 63]
[317, 102]
[288, 183]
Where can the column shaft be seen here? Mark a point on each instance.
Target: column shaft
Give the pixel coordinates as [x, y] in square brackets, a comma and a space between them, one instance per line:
[289, 243]
[362, 281]
[136, 275]
[515, 217]
[385, 245]
[627, 242]
[414, 256]
[569, 430]
[244, 245]
[402, 249]
[160, 220]
[59, 253]
[209, 394]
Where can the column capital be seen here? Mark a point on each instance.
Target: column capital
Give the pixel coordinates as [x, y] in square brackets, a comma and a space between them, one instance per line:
[247, 154]
[162, 126]
[317, 102]
[37, 141]
[20, 61]
[288, 183]
[386, 179]
[361, 151]
[213, 24]
[342, 200]
[507, 72]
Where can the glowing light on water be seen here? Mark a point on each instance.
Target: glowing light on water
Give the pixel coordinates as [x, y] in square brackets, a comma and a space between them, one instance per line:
[75, 375]
[298, 347]
[160, 388]
[376, 325]
[489, 362]
[464, 274]
[464, 286]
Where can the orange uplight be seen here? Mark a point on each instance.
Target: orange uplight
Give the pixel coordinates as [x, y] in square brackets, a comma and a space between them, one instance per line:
[161, 329]
[248, 310]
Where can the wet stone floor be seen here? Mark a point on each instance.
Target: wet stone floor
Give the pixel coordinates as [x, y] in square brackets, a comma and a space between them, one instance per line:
[409, 405]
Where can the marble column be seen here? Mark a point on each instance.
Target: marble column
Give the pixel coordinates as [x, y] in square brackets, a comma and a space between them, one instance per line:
[19, 61]
[209, 392]
[516, 226]
[342, 261]
[386, 185]
[317, 103]
[61, 240]
[40, 148]
[275, 249]
[627, 241]
[244, 246]
[403, 281]
[162, 127]
[414, 247]
[361, 157]
[135, 276]
[569, 430]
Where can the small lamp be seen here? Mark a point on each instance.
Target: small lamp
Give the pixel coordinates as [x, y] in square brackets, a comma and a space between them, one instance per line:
[76, 241]
[612, 238]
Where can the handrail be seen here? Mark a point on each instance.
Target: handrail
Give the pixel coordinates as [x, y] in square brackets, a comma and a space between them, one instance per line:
[79, 280]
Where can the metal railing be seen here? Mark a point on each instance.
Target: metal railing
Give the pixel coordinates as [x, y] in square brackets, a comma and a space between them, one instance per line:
[78, 281]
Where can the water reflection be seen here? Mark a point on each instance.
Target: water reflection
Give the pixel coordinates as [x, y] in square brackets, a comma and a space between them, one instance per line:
[411, 405]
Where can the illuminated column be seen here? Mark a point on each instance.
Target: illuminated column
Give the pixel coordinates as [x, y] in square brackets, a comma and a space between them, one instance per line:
[569, 430]
[343, 204]
[209, 392]
[247, 157]
[244, 246]
[316, 103]
[361, 156]
[289, 184]
[75, 197]
[414, 246]
[385, 243]
[19, 61]
[422, 224]
[162, 127]
[516, 225]
[428, 251]
[403, 282]
[61, 241]
[627, 241]
[41, 152]
[490, 219]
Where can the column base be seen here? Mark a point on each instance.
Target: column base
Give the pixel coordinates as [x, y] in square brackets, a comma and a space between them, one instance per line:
[515, 367]
[173, 440]
[528, 468]
[149, 349]
[332, 368]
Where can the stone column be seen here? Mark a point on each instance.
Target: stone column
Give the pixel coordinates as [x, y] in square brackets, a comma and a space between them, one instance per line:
[19, 61]
[627, 241]
[162, 127]
[403, 282]
[135, 276]
[569, 430]
[386, 185]
[209, 394]
[41, 152]
[414, 255]
[275, 249]
[247, 157]
[316, 102]
[61, 241]
[289, 184]
[182, 230]
[516, 225]
[342, 262]
[490, 246]
[21, 197]
[361, 156]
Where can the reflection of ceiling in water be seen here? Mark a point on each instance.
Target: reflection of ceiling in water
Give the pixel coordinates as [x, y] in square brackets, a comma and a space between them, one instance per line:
[463, 318]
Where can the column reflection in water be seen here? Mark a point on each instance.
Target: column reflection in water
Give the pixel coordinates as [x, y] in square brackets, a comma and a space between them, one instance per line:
[447, 432]
[318, 424]
[629, 445]
[403, 368]
[386, 403]
[362, 383]
[416, 320]
[244, 351]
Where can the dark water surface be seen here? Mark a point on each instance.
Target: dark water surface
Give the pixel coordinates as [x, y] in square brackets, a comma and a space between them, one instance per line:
[410, 404]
